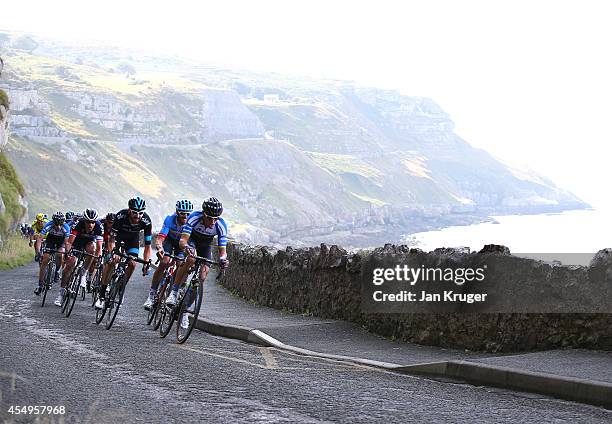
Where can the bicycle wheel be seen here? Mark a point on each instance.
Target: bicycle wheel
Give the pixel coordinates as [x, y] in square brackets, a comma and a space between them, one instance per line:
[95, 285]
[47, 281]
[182, 333]
[161, 304]
[73, 291]
[101, 312]
[115, 302]
[68, 287]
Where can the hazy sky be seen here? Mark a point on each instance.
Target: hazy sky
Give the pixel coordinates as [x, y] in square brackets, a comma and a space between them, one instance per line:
[529, 81]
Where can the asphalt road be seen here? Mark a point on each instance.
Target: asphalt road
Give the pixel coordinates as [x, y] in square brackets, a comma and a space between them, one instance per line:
[129, 374]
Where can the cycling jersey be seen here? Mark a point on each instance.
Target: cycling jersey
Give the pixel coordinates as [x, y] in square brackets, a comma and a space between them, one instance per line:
[129, 233]
[107, 231]
[83, 238]
[52, 230]
[200, 234]
[171, 228]
[38, 226]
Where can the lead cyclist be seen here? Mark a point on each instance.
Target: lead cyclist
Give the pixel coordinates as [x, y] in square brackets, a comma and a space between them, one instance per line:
[197, 238]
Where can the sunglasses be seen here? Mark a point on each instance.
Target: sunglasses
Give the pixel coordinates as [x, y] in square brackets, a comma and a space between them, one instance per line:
[212, 218]
[137, 213]
[185, 214]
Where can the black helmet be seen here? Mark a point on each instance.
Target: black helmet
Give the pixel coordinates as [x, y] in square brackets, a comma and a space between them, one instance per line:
[137, 204]
[90, 214]
[110, 217]
[69, 215]
[184, 206]
[58, 218]
[212, 207]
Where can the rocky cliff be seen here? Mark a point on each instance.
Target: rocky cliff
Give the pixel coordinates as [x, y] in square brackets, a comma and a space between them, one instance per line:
[12, 204]
[296, 161]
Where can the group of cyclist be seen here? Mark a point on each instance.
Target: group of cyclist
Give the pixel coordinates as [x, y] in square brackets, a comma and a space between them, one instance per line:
[183, 235]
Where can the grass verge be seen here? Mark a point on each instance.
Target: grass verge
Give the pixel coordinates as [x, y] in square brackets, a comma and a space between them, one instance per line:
[15, 252]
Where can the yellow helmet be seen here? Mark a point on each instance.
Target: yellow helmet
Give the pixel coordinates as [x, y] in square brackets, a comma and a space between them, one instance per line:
[40, 216]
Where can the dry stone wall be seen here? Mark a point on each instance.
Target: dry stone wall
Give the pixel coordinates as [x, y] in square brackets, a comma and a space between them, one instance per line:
[327, 282]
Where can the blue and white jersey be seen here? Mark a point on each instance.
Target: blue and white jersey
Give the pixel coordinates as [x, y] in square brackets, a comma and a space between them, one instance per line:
[199, 233]
[52, 230]
[171, 228]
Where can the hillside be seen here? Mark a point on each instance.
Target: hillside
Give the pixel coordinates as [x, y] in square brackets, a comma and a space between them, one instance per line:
[295, 161]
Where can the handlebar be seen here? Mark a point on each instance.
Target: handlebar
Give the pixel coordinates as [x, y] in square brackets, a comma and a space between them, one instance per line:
[176, 258]
[82, 252]
[134, 258]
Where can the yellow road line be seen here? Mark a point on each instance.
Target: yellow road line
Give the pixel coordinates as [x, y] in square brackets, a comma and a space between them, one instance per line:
[269, 358]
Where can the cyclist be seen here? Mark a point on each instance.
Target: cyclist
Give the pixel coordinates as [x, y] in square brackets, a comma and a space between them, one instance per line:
[85, 236]
[55, 232]
[197, 237]
[167, 241]
[107, 224]
[37, 226]
[126, 229]
[70, 219]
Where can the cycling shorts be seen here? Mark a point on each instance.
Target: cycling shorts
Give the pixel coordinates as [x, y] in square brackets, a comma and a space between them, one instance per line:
[203, 249]
[54, 242]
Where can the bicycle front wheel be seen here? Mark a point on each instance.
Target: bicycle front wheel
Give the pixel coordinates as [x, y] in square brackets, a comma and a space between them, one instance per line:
[188, 313]
[73, 291]
[47, 282]
[161, 304]
[114, 302]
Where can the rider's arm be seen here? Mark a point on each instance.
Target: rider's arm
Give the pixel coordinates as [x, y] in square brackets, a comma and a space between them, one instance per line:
[111, 241]
[69, 242]
[163, 233]
[99, 247]
[183, 241]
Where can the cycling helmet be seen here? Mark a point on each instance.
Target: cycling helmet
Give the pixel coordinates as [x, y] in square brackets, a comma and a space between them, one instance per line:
[58, 218]
[69, 216]
[90, 214]
[40, 216]
[77, 216]
[184, 206]
[45, 216]
[137, 204]
[110, 217]
[212, 207]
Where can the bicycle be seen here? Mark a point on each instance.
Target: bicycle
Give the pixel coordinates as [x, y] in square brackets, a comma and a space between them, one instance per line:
[49, 274]
[95, 284]
[74, 284]
[187, 306]
[163, 290]
[116, 289]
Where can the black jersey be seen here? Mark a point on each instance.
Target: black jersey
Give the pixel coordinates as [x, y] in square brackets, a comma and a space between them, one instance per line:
[129, 233]
[83, 237]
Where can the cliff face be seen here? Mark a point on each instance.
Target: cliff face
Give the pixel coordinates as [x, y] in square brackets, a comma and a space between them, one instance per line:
[12, 204]
[294, 160]
[4, 129]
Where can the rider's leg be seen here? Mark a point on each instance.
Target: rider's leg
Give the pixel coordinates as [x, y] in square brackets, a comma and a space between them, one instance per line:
[59, 260]
[107, 274]
[181, 273]
[43, 266]
[159, 272]
[70, 263]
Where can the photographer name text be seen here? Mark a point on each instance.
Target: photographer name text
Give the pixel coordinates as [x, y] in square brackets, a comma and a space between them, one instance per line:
[423, 296]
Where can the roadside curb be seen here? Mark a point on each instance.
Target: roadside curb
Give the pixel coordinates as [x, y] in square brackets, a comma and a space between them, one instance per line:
[591, 392]
[596, 393]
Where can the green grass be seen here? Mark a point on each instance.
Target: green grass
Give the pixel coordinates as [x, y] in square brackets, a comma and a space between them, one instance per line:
[10, 189]
[4, 100]
[15, 252]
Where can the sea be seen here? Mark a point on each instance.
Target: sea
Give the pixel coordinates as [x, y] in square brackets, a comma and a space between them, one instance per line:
[570, 237]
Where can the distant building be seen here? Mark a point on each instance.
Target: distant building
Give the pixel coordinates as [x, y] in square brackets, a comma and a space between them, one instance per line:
[271, 98]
